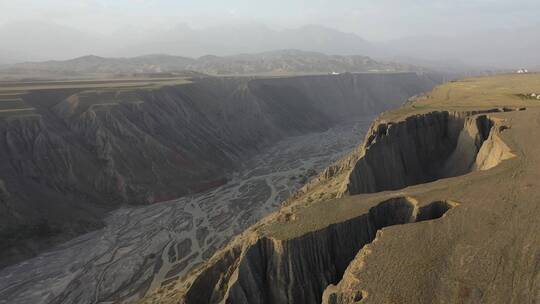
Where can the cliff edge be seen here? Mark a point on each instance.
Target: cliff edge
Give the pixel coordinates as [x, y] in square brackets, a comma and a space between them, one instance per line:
[439, 204]
[73, 151]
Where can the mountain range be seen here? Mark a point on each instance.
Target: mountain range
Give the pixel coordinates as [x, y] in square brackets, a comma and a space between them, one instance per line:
[39, 41]
[46, 41]
[280, 62]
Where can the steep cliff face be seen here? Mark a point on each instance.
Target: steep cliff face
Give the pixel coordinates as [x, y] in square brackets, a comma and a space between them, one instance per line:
[260, 268]
[478, 147]
[418, 149]
[298, 270]
[83, 152]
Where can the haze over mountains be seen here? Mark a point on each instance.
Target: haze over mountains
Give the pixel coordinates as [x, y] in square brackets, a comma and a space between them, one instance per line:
[282, 62]
[210, 151]
[180, 40]
[40, 41]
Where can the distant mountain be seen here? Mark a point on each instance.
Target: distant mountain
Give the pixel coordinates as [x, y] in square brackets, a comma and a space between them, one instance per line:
[503, 48]
[45, 41]
[92, 64]
[291, 61]
[275, 62]
[249, 38]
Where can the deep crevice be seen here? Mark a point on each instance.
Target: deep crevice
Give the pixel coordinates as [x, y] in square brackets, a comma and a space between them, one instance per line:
[420, 149]
[300, 269]
[433, 211]
[398, 208]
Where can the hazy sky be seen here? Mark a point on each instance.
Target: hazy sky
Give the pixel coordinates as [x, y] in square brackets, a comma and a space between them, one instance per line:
[371, 19]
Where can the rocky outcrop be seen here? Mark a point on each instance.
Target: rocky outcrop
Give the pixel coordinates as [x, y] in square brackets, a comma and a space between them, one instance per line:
[85, 152]
[493, 151]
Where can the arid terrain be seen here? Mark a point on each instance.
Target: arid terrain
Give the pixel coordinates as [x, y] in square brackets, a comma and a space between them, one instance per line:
[439, 204]
[114, 264]
[137, 180]
[269, 152]
[75, 150]
[254, 190]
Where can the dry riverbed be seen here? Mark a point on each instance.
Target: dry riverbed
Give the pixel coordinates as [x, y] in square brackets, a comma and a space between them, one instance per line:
[143, 248]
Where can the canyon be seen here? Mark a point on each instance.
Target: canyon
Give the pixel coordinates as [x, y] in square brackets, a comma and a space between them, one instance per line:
[437, 205]
[105, 162]
[143, 248]
[256, 190]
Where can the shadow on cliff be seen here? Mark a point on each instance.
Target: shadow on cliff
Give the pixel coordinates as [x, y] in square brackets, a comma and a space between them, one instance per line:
[420, 149]
[425, 148]
[298, 270]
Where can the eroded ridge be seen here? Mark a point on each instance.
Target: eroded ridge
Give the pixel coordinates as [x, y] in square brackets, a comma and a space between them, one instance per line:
[419, 149]
[259, 267]
[298, 270]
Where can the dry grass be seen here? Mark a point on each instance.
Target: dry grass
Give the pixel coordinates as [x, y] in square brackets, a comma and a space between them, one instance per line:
[475, 93]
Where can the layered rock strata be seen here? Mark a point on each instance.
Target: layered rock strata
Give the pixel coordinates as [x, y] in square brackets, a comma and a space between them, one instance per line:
[272, 264]
[83, 152]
